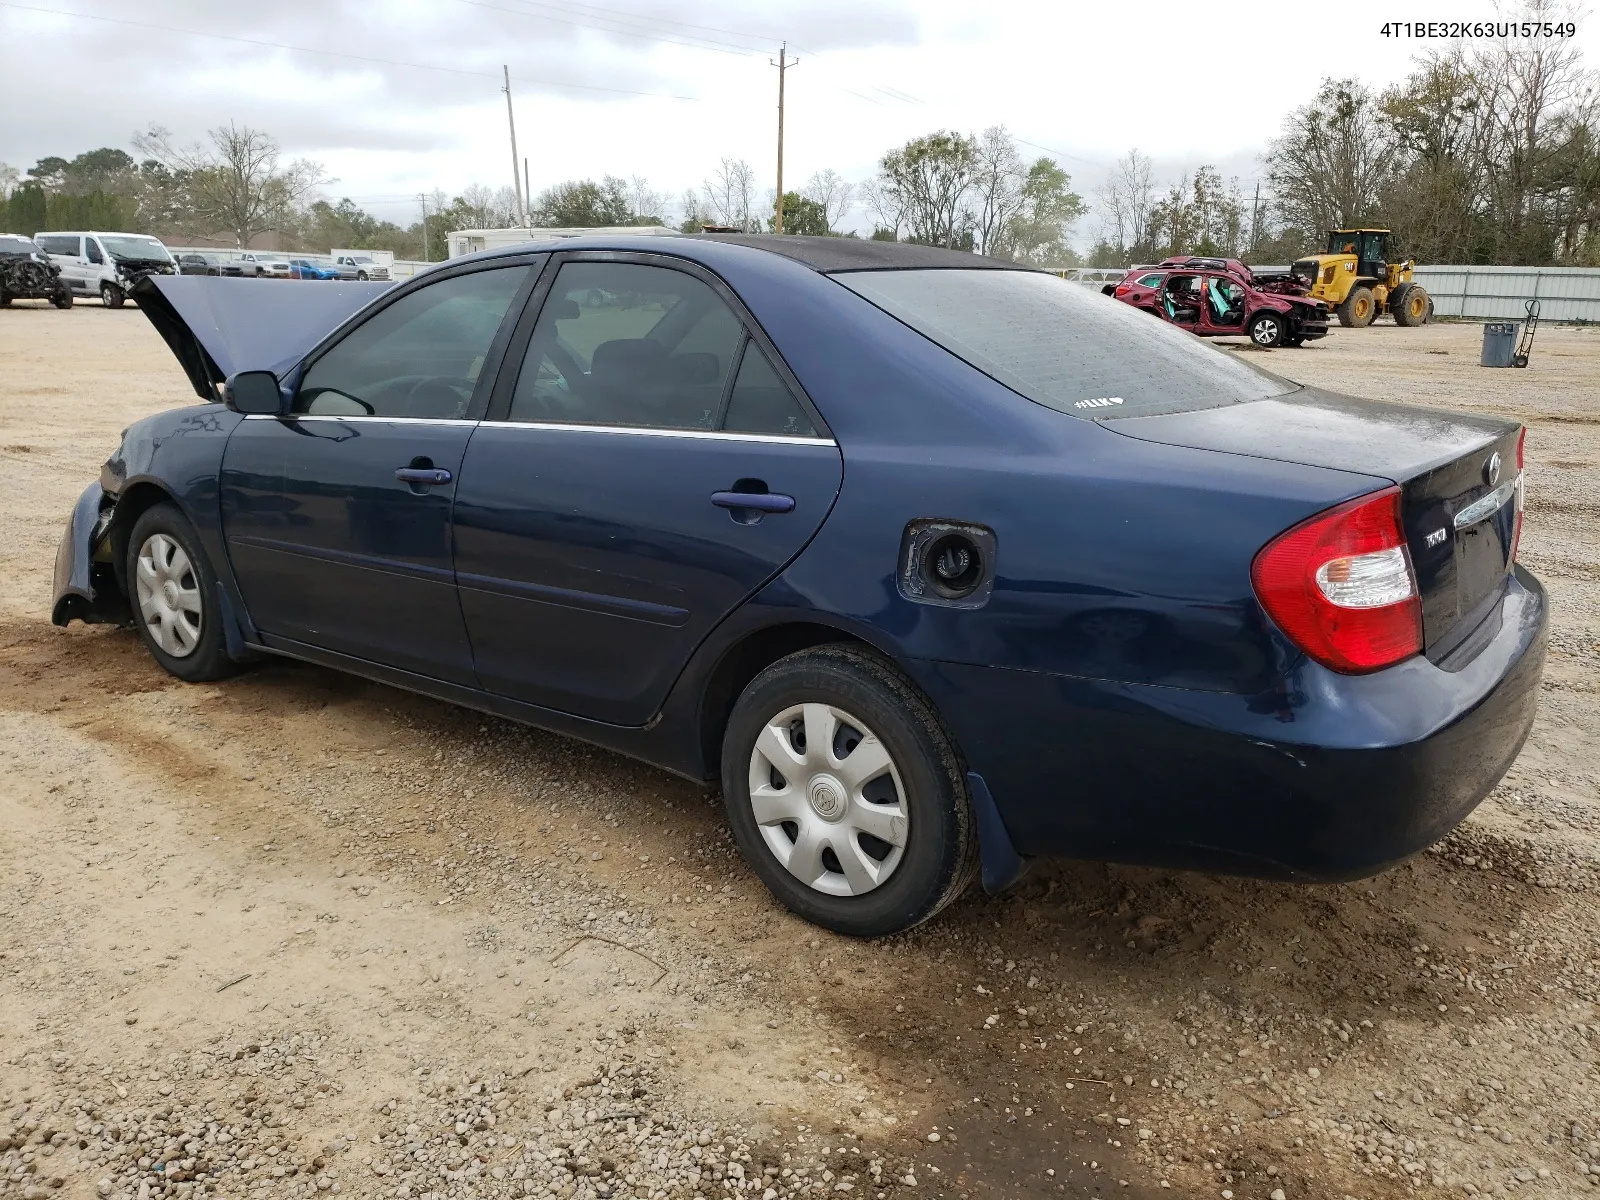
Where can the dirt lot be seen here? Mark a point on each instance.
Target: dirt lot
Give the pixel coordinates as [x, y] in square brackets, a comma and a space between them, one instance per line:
[298, 933]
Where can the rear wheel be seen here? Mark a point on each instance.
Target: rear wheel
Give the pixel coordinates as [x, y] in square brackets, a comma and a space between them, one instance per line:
[111, 295]
[1358, 308]
[1268, 329]
[174, 596]
[846, 795]
[1411, 305]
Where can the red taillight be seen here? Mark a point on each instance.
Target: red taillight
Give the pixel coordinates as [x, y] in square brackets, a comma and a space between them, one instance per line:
[1340, 585]
[1522, 493]
[1123, 289]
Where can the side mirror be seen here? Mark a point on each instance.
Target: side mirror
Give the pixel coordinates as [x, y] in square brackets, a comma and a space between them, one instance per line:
[255, 392]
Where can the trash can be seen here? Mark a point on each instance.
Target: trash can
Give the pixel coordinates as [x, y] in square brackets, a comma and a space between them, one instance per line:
[1499, 344]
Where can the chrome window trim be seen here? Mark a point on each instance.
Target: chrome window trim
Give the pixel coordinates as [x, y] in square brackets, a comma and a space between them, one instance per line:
[715, 435]
[361, 417]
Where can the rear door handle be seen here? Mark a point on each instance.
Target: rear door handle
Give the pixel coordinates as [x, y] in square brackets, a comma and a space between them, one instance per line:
[767, 502]
[423, 475]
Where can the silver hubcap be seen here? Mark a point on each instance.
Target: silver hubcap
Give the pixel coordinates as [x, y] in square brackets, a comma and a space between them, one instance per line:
[1266, 332]
[828, 799]
[169, 595]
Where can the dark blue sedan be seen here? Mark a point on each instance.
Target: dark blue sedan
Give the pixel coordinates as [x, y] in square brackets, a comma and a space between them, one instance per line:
[934, 563]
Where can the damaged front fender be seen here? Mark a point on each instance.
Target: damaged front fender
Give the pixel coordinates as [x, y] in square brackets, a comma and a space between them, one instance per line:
[85, 583]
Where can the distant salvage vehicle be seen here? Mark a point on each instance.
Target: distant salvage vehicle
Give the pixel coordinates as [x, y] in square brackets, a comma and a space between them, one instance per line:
[26, 273]
[365, 268]
[105, 264]
[199, 264]
[1219, 299]
[304, 268]
[258, 266]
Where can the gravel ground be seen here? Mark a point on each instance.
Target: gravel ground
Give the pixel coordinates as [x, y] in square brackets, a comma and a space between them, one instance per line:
[297, 933]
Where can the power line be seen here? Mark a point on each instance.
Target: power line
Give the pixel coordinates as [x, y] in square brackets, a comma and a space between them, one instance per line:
[367, 58]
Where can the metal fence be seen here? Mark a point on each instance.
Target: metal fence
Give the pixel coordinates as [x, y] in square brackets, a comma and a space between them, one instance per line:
[1502, 293]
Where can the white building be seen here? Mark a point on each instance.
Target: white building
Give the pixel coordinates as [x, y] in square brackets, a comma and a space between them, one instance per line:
[470, 241]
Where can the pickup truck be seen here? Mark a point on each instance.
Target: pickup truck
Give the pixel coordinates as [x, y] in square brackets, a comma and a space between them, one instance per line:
[253, 265]
[359, 266]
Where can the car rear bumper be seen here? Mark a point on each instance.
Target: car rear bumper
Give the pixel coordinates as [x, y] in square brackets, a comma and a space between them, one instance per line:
[1329, 778]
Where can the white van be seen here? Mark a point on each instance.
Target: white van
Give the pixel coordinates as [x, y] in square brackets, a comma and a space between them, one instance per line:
[105, 264]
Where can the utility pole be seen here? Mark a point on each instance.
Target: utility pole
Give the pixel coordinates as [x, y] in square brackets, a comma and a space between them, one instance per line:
[422, 198]
[783, 64]
[516, 175]
[1255, 218]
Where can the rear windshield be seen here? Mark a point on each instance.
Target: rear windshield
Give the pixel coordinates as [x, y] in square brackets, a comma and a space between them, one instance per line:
[1064, 345]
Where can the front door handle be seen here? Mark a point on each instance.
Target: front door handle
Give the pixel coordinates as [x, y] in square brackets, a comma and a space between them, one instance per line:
[423, 475]
[767, 502]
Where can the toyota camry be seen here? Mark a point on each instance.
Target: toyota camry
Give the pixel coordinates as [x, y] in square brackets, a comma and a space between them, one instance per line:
[932, 563]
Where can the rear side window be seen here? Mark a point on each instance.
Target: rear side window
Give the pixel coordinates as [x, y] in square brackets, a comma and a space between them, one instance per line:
[418, 357]
[1150, 280]
[760, 402]
[58, 245]
[1063, 346]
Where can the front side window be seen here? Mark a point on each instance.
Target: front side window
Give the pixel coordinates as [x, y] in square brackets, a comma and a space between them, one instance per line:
[418, 357]
[91, 250]
[628, 344]
[1064, 346]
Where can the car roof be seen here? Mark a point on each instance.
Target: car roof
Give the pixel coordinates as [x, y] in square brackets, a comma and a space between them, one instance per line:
[828, 255]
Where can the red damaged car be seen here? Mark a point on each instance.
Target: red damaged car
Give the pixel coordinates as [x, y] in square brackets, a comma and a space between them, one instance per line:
[1215, 297]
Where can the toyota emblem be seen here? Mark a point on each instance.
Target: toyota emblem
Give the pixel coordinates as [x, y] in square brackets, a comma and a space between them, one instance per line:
[1491, 469]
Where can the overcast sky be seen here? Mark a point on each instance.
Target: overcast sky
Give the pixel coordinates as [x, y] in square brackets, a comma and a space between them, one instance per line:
[1187, 83]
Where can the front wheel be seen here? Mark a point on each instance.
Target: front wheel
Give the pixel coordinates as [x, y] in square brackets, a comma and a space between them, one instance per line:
[846, 795]
[174, 595]
[362, 276]
[1411, 305]
[1358, 309]
[111, 295]
[62, 299]
[1267, 329]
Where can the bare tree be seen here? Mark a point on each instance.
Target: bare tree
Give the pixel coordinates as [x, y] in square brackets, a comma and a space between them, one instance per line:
[693, 211]
[829, 189]
[729, 193]
[236, 183]
[997, 181]
[886, 206]
[645, 204]
[1332, 160]
[9, 178]
[1126, 201]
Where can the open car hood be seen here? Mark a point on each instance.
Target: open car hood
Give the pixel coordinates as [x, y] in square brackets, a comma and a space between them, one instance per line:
[218, 327]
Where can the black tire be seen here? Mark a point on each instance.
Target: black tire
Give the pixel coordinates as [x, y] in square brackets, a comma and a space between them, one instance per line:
[1411, 305]
[5, 300]
[62, 299]
[362, 276]
[1296, 342]
[207, 657]
[1267, 329]
[938, 859]
[1358, 309]
[111, 295]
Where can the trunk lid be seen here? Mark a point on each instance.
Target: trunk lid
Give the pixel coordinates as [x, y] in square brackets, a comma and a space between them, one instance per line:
[1457, 475]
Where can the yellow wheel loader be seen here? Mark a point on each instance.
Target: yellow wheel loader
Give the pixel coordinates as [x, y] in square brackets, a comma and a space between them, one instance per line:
[1357, 280]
